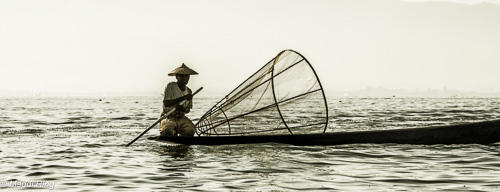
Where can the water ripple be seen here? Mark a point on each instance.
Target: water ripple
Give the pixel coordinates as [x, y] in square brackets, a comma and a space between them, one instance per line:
[77, 143]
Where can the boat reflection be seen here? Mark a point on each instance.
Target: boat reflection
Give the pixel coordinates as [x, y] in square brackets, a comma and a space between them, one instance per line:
[175, 151]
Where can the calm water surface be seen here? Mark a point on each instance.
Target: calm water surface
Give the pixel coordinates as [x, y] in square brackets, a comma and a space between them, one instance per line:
[75, 144]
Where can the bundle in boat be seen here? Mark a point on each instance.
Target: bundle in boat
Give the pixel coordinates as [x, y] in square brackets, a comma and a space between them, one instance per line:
[285, 96]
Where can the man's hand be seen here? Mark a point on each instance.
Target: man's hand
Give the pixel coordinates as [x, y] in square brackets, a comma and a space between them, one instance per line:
[170, 103]
[188, 96]
[180, 108]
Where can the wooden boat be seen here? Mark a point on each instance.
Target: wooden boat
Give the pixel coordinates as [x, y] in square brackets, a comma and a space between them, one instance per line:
[485, 132]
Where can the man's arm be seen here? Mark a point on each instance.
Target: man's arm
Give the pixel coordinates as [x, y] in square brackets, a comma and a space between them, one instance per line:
[172, 102]
[189, 102]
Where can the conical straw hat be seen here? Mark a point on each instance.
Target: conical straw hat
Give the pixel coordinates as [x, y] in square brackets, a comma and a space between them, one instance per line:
[183, 70]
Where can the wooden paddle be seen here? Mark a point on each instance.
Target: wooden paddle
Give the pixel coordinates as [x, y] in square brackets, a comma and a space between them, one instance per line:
[161, 118]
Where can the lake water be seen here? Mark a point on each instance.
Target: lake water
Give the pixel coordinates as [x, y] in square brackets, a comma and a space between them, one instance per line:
[76, 144]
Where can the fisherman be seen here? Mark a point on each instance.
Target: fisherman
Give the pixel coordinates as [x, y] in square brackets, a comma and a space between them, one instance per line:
[177, 124]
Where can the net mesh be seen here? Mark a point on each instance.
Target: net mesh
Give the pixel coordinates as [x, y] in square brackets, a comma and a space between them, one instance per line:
[283, 97]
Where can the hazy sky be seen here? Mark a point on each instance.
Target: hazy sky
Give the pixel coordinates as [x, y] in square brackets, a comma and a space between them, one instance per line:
[128, 47]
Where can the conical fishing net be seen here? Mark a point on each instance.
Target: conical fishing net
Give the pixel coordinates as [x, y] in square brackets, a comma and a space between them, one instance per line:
[285, 96]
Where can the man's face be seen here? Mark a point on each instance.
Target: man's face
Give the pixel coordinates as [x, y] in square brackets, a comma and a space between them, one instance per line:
[183, 79]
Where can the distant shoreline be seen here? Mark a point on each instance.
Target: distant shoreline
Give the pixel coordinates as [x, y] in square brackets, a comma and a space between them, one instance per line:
[370, 92]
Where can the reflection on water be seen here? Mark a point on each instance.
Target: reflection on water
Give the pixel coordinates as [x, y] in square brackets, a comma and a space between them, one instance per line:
[174, 150]
[77, 143]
